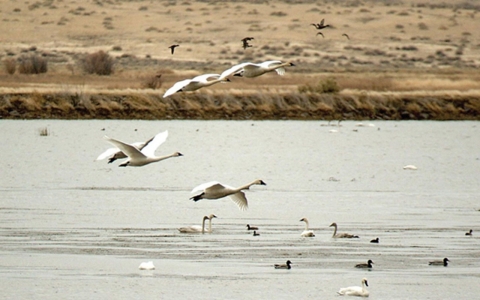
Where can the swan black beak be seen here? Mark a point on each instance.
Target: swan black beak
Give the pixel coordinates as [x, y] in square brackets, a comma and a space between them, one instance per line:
[292, 64]
[262, 183]
[366, 283]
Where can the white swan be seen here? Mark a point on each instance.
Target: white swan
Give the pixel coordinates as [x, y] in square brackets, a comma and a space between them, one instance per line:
[286, 265]
[251, 70]
[137, 158]
[307, 232]
[410, 167]
[147, 266]
[194, 228]
[443, 262]
[341, 235]
[115, 153]
[216, 190]
[355, 290]
[195, 83]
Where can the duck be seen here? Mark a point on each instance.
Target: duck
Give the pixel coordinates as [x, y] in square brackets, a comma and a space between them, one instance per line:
[251, 70]
[197, 228]
[341, 235]
[215, 190]
[376, 241]
[115, 153]
[198, 82]
[251, 227]
[443, 262]
[287, 265]
[255, 233]
[470, 233]
[172, 48]
[139, 158]
[307, 232]
[146, 266]
[320, 25]
[365, 266]
[355, 290]
[245, 41]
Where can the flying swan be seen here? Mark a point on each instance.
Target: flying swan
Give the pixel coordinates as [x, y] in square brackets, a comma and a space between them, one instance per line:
[216, 190]
[115, 153]
[341, 235]
[307, 232]
[195, 83]
[355, 290]
[197, 228]
[251, 70]
[137, 158]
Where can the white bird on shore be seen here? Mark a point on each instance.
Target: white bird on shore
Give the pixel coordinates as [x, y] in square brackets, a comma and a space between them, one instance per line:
[195, 83]
[137, 158]
[307, 232]
[355, 290]
[215, 190]
[197, 228]
[251, 70]
[147, 266]
[341, 235]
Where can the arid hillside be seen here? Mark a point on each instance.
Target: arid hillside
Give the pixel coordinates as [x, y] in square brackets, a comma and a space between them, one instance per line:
[386, 46]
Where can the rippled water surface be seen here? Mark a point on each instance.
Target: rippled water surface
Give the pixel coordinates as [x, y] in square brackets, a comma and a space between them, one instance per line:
[75, 228]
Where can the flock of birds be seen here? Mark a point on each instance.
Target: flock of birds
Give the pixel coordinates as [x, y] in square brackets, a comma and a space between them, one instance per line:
[143, 153]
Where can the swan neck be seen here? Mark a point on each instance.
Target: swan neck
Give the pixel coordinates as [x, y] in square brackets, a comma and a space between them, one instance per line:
[306, 224]
[334, 230]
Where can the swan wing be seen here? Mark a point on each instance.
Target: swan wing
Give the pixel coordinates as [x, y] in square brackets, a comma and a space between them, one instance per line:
[204, 186]
[177, 87]
[270, 63]
[127, 149]
[240, 199]
[108, 153]
[205, 78]
[280, 71]
[151, 145]
[234, 69]
[190, 229]
[308, 233]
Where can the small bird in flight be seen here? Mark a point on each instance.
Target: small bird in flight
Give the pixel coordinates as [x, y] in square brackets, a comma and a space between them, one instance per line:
[346, 35]
[320, 25]
[319, 33]
[245, 42]
[172, 48]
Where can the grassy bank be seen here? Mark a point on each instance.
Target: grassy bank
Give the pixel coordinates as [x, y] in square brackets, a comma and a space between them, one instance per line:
[350, 105]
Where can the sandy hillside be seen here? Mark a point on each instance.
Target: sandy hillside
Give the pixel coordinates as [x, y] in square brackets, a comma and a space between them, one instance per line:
[415, 35]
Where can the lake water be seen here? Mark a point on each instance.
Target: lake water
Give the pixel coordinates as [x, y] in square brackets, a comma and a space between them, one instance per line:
[72, 227]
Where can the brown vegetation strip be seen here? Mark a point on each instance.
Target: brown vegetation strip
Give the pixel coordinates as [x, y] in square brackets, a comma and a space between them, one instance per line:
[231, 106]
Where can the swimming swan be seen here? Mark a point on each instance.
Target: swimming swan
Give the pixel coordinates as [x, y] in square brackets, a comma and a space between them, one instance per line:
[137, 158]
[195, 83]
[216, 190]
[287, 265]
[146, 266]
[307, 232]
[115, 153]
[341, 235]
[251, 70]
[443, 262]
[368, 265]
[197, 228]
[355, 290]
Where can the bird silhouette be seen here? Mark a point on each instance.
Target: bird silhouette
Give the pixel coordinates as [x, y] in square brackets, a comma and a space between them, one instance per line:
[245, 42]
[346, 35]
[172, 48]
[320, 25]
[319, 33]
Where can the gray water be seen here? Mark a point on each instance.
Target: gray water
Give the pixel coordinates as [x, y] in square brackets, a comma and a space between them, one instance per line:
[72, 227]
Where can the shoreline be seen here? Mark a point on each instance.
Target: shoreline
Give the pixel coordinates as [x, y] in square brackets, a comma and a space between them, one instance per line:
[351, 105]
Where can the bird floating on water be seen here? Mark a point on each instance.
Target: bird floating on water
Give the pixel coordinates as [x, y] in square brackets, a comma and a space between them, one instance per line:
[341, 235]
[286, 265]
[307, 232]
[355, 290]
[368, 265]
[443, 262]
[376, 241]
[251, 227]
[146, 266]
[410, 167]
[470, 233]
